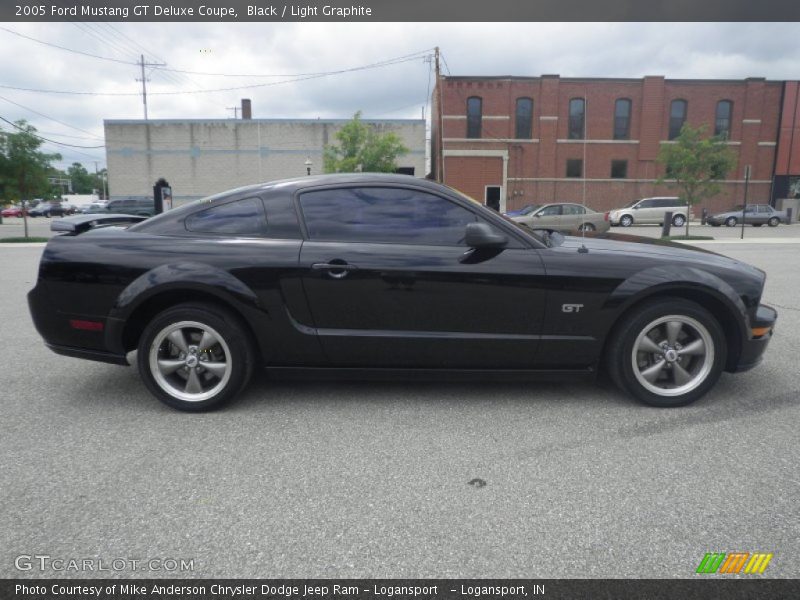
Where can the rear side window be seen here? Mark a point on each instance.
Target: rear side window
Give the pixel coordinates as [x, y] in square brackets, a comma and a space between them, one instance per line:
[384, 215]
[244, 217]
[282, 218]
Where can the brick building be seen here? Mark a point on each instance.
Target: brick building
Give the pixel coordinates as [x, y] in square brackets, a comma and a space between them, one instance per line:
[199, 157]
[523, 140]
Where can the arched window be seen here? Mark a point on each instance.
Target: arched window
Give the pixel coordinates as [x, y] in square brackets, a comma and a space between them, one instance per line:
[677, 117]
[474, 116]
[622, 119]
[577, 118]
[524, 119]
[722, 123]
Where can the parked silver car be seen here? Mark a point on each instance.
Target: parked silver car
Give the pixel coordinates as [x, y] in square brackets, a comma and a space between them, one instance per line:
[566, 217]
[650, 211]
[755, 214]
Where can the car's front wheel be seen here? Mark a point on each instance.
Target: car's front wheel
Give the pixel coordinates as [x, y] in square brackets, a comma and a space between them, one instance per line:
[669, 352]
[678, 220]
[195, 357]
[626, 221]
[730, 221]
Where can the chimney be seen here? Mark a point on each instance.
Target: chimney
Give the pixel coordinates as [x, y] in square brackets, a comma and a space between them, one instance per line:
[247, 110]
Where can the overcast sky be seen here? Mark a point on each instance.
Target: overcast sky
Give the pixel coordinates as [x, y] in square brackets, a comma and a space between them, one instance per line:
[399, 90]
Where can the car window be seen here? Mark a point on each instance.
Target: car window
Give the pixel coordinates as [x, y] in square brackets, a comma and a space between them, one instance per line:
[384, 215]
[573, 209]
[244, 217]
[646, 204]
[550, 211]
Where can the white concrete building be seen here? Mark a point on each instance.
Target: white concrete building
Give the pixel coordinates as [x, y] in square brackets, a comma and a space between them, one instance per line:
[199, 157]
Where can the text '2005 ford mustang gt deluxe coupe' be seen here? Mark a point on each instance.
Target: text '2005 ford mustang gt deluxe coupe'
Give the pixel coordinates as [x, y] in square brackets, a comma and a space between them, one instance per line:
[370, 275]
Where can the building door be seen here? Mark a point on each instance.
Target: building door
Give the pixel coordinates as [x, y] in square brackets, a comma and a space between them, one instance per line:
[492, 197]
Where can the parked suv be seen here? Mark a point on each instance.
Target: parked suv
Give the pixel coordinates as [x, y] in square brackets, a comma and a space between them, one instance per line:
[650, 211]
[132, 206]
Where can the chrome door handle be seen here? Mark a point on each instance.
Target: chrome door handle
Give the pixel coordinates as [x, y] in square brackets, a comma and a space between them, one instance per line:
[336, 268]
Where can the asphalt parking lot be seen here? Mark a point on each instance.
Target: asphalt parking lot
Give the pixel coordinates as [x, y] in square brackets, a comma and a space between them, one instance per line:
[373, 479]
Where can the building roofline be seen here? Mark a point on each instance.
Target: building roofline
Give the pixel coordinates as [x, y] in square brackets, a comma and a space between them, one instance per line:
[244, 121]
[606, 79]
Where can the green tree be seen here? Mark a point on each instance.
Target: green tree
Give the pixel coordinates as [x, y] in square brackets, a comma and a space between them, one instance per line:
[695, 164]
[83, 182]
[24, 167]
[361, 148]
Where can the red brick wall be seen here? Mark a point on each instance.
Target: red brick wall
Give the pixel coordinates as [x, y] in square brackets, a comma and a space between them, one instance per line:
[537, 169]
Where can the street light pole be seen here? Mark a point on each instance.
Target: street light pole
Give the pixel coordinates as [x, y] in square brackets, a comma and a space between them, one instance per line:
[308, 165]
[744, 208]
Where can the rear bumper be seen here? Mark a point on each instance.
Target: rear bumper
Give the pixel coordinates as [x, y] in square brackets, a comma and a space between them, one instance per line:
[753, 349]
[96, 355]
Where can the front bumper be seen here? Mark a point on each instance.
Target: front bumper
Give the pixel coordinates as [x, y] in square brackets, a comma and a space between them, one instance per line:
[753, 348]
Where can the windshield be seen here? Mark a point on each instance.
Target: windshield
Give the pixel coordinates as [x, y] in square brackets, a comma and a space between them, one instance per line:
[529, 209]
[736, 207]
[631, 203]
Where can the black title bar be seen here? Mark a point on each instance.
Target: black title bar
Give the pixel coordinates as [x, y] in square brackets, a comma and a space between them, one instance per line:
[401, 10]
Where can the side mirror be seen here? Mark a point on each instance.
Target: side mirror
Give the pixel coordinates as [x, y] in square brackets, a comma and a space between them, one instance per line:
[635, 207]
[538, 215]
[481, 235]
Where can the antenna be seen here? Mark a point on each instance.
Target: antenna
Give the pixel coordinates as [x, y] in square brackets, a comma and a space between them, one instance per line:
[583, 249]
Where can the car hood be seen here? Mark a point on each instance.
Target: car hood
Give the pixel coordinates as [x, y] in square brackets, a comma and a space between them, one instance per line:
[620, 242]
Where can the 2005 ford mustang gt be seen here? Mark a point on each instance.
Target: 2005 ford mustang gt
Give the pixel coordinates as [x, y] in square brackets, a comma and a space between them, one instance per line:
[386, 275]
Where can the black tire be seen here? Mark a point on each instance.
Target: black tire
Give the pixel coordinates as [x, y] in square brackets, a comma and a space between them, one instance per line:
[679, 220]
[757, 224]
[731, 222]
[626, 220]
[773, 222]
[587, 227]
[714, 224]
[232, 349]
[704, 370]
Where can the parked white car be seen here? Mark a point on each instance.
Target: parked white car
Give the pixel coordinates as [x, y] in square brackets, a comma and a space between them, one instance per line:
[650, 211]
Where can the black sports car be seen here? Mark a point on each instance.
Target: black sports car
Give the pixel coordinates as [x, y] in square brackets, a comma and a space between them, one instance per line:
[379, 275]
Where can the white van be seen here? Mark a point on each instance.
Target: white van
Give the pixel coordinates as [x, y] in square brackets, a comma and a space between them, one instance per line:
[650, 211]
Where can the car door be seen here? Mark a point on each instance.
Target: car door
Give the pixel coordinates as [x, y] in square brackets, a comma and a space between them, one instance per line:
[547, 217]
[642, 212]
[391, 283]
[751, 214]
[572, 217]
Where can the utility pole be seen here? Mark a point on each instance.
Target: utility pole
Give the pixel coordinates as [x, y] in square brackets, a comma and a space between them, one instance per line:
[235, 110]
[440, 125]
[144, 64]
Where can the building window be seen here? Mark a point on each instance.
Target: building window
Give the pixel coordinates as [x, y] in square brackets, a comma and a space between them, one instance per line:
[524, 119]
[474, 115]
[622, 119]
[577, 113]
[619, 169]
[677, 117]
[574, 167]
[722, 124]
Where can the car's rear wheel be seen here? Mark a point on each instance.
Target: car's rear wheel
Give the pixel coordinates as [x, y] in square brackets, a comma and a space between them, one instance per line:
[730, 221]
[626, 220]
[678, 220]
[773, 221]
[586, 227]
[195, 357]
[669, 352]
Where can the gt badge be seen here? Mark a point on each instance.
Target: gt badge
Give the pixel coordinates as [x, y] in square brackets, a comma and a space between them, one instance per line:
[570, 308]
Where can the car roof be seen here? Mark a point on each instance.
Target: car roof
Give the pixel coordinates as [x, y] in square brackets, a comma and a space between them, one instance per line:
[338, 179]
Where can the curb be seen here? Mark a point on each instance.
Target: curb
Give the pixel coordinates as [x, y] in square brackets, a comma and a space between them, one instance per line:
[24, 245]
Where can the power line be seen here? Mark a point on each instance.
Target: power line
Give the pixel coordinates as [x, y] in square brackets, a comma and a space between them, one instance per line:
[50, 118]
[27, 37]
[228, 89]
[44, 139]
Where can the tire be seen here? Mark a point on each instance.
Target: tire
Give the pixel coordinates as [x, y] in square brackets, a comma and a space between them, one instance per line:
[679, 220]
[626, 220]
[730, 222]
[773, 222]
[645, 339]
[587, 227]
[173, 339]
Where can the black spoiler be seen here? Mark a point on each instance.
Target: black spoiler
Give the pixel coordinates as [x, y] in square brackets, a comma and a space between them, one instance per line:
[80, 223]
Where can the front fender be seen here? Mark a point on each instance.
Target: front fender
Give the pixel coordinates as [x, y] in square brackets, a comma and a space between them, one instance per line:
[662, 279]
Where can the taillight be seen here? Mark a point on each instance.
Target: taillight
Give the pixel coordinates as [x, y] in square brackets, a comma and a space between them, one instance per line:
[605, 217]
[86, 325]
